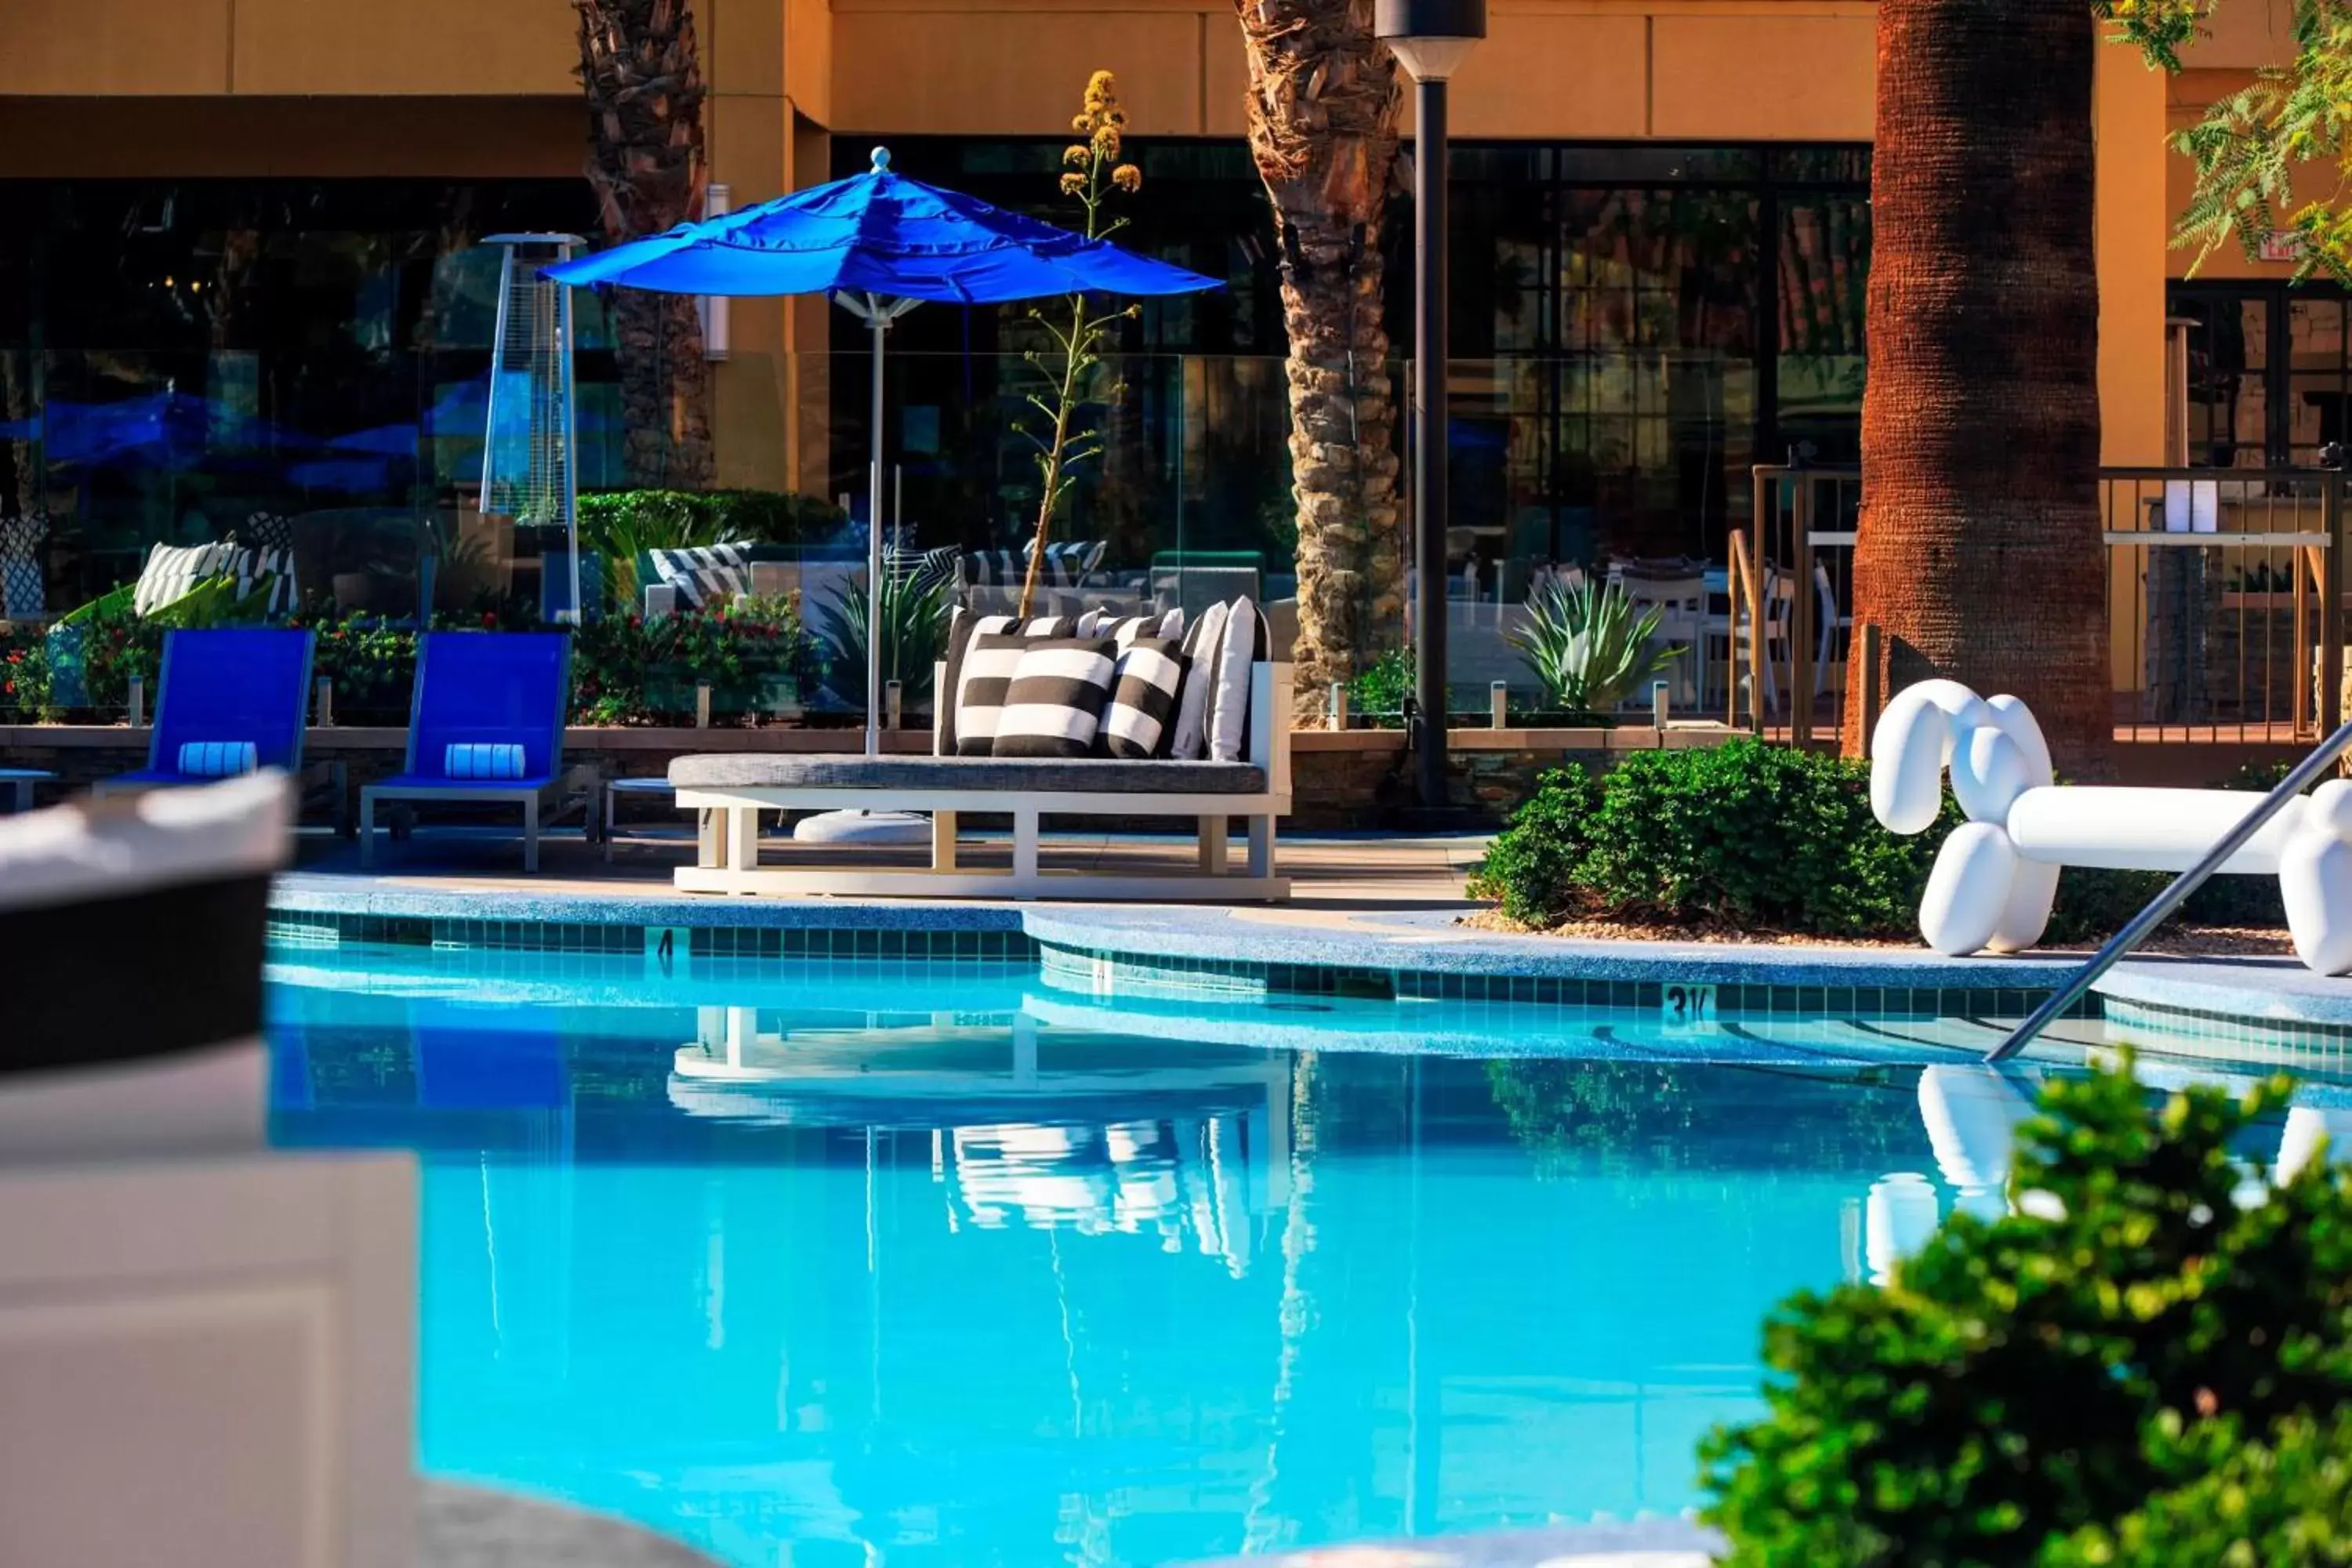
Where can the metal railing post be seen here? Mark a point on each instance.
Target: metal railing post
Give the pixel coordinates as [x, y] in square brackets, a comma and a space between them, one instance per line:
[2331, 605]
[1800, 615]
[2136, 929]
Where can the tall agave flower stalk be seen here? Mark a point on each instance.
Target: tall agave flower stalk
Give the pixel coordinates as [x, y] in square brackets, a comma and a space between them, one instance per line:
[1091, 172]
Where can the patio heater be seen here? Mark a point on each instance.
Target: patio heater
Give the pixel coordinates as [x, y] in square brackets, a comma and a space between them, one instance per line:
[531, 467]
[1429, 38]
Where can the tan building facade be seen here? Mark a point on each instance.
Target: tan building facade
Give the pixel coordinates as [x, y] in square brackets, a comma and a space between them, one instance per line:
[480, 87]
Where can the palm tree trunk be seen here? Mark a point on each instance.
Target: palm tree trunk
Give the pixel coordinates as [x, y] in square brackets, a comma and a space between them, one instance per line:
[642, 74]
[1980, 556]
[1323, 104]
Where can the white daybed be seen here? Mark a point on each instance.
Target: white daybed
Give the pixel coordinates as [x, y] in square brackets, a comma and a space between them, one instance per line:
[735, 788]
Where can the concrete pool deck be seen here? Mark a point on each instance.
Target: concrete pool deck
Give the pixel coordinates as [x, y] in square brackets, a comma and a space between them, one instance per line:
[1361, 902]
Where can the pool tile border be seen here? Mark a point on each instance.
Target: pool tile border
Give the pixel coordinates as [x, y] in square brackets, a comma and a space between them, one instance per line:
[2253, 1012]
[315, 928]
[1101, 972]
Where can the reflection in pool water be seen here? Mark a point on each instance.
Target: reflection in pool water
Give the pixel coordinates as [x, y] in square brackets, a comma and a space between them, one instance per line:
[847, 1264]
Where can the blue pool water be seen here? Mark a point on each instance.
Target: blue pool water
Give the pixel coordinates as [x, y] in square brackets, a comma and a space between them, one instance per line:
[850, 1263]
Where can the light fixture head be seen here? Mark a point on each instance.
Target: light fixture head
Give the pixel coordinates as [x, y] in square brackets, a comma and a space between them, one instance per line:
[1430, 37]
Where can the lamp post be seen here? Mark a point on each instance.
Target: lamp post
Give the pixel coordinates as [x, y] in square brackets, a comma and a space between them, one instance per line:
[1429, 38]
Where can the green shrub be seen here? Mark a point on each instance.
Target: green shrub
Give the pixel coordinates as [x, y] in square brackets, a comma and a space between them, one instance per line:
[1744, 835]
[1754, 836]
[373, 666]
[1765, 836]
[2073, 1384]
[1378, 690]
[1533, 869]
[914, 638]
[626, 670]
[2282, 1502]
[624, 524]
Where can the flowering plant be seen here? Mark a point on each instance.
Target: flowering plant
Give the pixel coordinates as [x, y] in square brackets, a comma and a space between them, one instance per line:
[632, 670]
[1092, 171]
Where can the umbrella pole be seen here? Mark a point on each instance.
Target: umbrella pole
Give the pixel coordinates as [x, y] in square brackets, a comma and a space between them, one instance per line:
[878, 321]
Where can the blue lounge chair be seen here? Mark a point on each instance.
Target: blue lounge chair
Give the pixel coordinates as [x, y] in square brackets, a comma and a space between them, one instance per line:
[487, 724]
[229, 701]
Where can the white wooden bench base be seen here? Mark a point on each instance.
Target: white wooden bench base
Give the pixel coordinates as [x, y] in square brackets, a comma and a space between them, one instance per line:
[728, 847]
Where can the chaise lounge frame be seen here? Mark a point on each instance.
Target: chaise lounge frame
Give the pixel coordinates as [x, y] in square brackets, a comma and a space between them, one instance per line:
[727, 860]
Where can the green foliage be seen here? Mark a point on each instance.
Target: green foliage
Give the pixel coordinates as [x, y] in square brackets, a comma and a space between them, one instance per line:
[1746, 835]
[2074, 1384]
[1533, 871]
[1378, 690]
[2283, 1502]
[2247, 147]
[914, 637]
[1588, 647]
[24, 674]
[624, 524]
[373, 666]
[626, 670]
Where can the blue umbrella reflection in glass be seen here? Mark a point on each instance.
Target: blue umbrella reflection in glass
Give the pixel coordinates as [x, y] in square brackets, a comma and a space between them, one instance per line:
[879, 244]
[171, 430]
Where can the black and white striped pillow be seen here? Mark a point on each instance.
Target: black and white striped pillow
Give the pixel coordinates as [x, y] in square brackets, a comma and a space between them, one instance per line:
[1143, 710]
[923, 569]
[1055, 703]
[985, 674]
[962, 631]
[995, 568]
[708, 574]
[1124, 630]
[1071, 561]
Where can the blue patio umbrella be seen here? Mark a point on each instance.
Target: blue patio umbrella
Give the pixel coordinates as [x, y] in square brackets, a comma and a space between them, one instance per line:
[879, 244]
[171, 429]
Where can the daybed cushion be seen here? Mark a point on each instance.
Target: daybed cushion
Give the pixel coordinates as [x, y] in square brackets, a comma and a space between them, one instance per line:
[1077, 775]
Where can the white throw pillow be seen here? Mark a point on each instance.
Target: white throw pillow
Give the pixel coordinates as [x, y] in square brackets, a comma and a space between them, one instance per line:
[1241, 641]
[1188, 740]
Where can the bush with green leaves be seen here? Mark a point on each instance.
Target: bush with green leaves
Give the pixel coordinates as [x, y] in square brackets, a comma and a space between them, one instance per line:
[1762, 837]
[1746, 835]
[631, 669]
[1587, 646]
[1534, 869]
[914, 620]
[1378, 690]
[2141, 1366]
[622, 525]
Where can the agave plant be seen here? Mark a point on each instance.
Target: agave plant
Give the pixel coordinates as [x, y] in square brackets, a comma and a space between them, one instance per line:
[1587, 646]
[914, 617]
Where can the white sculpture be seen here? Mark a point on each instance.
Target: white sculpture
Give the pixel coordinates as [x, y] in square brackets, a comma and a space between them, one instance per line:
[1997, 875]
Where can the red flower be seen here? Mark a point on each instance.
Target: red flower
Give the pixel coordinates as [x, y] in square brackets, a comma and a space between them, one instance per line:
[490, 621]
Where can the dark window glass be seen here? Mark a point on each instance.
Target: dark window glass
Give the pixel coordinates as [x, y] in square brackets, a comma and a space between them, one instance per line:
[321, 346]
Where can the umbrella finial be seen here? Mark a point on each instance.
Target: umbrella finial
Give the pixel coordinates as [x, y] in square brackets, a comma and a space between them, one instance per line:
[881, 160]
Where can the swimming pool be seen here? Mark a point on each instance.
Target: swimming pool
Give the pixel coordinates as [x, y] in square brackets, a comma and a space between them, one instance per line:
[931, 1263]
